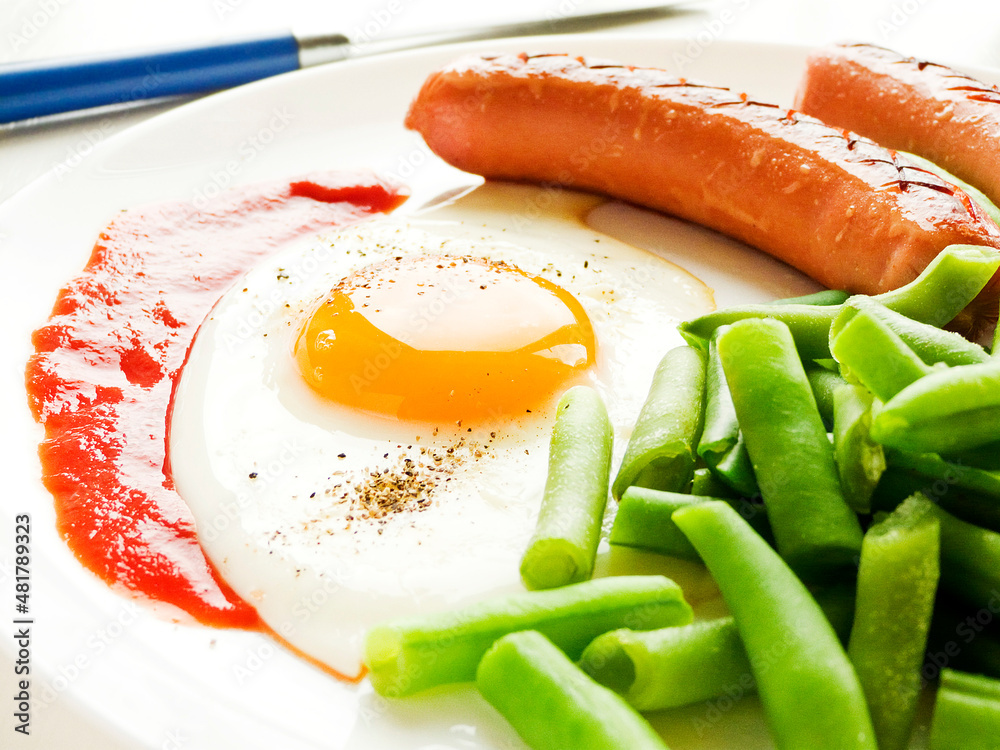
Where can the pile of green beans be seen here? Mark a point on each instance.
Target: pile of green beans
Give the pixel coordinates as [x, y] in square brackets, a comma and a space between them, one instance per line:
[909, 408]
[833, 462]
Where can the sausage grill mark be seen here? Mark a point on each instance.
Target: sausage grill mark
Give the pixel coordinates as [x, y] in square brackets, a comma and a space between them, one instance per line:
[790, 117]
[851, 224]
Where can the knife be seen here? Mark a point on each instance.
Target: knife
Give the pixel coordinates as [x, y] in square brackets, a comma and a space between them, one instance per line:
[54, 86]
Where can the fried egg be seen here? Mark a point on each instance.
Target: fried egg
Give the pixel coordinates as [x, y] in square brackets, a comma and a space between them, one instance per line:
[361, 428]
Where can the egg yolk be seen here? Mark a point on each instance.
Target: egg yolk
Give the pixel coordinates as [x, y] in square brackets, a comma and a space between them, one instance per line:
[437, 337]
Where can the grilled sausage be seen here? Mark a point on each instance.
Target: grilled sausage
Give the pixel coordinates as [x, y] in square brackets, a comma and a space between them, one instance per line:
[835, 205]
[911, 105]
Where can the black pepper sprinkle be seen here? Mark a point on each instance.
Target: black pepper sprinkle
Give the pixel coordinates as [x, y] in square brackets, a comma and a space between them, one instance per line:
[253, 474]
[407, 486]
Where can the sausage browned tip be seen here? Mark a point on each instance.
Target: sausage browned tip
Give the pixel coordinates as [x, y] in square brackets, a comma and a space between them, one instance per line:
[839, 207]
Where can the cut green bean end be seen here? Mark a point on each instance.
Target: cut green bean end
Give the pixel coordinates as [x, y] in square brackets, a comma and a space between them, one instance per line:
[550, 563]
[607, 662]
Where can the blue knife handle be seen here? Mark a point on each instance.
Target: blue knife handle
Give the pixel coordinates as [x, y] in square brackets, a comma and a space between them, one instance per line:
[34, 89]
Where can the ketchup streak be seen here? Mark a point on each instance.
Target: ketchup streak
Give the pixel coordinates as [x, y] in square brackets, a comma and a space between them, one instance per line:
[105, 366]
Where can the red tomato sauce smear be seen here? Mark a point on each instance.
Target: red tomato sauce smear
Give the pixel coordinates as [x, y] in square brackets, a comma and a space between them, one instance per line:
[106, 364]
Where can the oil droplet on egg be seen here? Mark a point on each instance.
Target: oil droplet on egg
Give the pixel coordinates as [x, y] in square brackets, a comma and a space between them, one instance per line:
[439, 337]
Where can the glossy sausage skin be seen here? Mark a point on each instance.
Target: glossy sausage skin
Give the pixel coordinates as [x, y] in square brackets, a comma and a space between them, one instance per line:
[844, 210]
[911, 105]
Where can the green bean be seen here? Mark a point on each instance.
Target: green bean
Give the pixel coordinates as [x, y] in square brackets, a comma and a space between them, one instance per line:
[704, 482]
[722, 447]
[975, 509]
[985, 456]
[809, 324]
[645, 520]
[552, 704]
[671, 667]
[661, 451]
[735, 469]
[815, 530]
[838, 603]
[950, 474]
[966, 713]
[956, 475]
[946, 286]
[824, 382]
[897, 581]
[970, 559]
[860, 461]
[809, 691]
[942, 290]
[970, 493]
[963, 637]
[930, 343]
[823, 298]
[988, 206]
[895, 485]
[873, 354]
[564, 545]
[948, 410]
[676, 666]
[995, 344]
[411, 654]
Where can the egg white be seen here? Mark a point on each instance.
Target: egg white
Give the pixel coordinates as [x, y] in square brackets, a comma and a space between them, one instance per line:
[271, 470]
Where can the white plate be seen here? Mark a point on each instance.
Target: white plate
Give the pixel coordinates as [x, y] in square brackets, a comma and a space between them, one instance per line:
[165, 685]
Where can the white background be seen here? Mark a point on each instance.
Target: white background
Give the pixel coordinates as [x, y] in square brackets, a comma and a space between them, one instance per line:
[961, 32]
